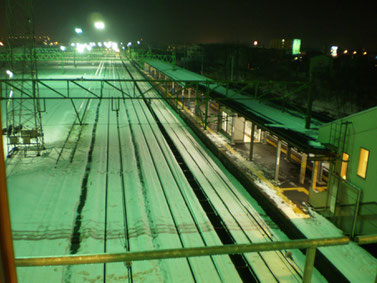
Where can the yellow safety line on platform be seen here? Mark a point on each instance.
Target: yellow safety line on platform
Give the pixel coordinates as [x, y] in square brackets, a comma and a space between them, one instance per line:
[258, 173]
[321, 189]
[299, 189]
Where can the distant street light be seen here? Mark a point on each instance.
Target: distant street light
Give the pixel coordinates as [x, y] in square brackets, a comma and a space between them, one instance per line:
[78, 30]
[9, 73]
[99, 25]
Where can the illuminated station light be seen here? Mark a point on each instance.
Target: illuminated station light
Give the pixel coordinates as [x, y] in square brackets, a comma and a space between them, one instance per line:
[78, 30]
[255, 43]
[80, 48]
[1, 44]
[99, 25]
[62, 48]
[345, 52]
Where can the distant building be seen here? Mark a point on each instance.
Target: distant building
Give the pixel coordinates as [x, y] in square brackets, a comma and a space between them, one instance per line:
[20, 40]
[350, 200]
[292, 46]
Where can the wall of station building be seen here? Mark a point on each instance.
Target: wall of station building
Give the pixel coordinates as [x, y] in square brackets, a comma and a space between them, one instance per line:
[354, 170]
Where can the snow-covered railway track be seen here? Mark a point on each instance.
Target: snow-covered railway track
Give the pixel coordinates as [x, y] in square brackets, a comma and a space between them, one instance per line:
[70, 145]
[189, 225]
[243, 222]
[139, 181]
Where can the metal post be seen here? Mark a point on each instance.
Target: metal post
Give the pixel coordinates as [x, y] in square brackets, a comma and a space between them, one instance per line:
[189, 99]
[356, 214]
[265, 137]
[304, 158]
[8, 267]
[313, 185]
[77, 113]
[320, 172]
[277, 162]
[309, 108]
[251, 156]
[197, 105]
[219, 118]
[206, 110]
[289, 152]
[309, 265]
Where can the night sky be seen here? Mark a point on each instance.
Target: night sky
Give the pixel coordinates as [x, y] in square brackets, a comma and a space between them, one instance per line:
[205, 21]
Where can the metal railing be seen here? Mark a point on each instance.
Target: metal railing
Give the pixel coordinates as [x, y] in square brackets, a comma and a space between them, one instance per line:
[366, 239]
[309, 244]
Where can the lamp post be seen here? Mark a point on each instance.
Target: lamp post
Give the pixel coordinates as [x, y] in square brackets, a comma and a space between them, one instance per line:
[78, 31]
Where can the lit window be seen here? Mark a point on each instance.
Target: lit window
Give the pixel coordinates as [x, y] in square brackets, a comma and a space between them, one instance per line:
[363, 162]
[343, 168]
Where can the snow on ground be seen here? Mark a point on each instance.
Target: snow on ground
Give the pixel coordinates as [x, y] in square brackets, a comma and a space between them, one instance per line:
[44, 200]
[352, 260]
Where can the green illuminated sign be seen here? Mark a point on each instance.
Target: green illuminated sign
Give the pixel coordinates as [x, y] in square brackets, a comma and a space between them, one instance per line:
[296, 45]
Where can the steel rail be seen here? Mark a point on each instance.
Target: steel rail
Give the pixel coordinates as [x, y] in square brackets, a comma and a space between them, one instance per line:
[168, 201]
[127, 243]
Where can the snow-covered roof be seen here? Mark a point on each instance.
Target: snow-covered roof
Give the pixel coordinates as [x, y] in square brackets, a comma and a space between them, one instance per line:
[286, 123]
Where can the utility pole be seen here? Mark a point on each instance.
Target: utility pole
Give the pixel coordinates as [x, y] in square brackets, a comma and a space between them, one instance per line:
[24, 121]
[232, 67]
[310, 96]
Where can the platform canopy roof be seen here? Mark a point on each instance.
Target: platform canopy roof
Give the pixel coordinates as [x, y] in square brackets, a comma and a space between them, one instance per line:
[287, 124]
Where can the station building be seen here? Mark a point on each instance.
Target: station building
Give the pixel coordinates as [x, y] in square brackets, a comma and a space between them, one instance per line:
[351, 198]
